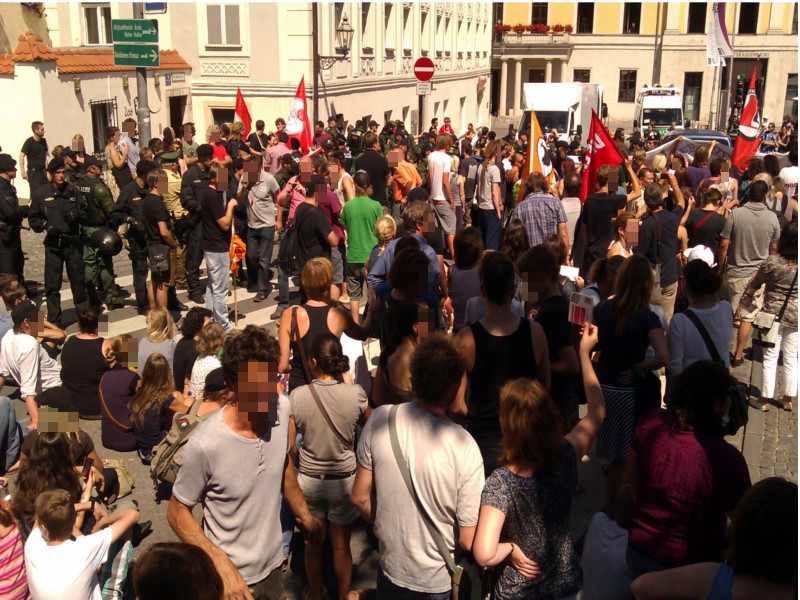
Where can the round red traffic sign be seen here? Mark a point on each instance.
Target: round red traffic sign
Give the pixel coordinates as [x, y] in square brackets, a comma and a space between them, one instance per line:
[423, 68]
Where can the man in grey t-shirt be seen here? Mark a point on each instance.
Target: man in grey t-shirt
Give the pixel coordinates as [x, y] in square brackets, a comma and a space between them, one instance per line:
[233, 465]
[748, 237]
[261, 210]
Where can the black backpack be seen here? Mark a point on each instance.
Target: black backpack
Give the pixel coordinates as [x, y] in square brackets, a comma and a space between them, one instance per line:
[289, 250]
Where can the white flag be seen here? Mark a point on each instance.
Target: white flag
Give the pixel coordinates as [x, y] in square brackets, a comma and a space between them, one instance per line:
[717, 44]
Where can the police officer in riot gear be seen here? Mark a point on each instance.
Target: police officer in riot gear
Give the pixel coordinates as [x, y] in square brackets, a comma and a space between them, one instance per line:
[129, 210]
[99, 206]
[355, 139]
[58, 209]
[73, 169]
[11, 215]
[194, 181]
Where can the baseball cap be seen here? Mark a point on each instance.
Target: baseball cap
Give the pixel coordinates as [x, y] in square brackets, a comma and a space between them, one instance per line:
[7, 163]
[91, 161]
[287, 159]
[143, 167]
[68, 152]
[361, 179]
[215, 380]
[23, 310]
[205, 150]
[701, 252]
[55, 164]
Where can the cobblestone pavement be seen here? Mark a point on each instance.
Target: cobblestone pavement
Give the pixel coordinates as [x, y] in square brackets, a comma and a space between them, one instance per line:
[770, 441]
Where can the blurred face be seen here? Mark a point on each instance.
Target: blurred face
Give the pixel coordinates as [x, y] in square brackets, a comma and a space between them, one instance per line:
[39, 131]
[58, 177]
[647, 179]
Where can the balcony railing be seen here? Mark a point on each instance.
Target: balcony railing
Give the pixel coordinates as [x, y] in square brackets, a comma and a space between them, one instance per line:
[531, 39]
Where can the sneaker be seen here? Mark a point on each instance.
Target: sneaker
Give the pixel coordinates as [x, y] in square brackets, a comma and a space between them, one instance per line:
[198, 299]
[260, 297]
[115, 304]
[277, 314]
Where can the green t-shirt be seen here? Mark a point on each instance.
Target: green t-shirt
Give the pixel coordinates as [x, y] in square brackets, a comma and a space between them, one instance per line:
[358, 217]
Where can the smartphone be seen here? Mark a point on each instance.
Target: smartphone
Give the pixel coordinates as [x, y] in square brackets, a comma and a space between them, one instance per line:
[87, 468]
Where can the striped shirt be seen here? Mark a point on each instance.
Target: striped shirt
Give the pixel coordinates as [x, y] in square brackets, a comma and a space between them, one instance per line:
[13, 582]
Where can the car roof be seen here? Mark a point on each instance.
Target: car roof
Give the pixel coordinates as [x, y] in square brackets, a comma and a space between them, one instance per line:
[700, 134]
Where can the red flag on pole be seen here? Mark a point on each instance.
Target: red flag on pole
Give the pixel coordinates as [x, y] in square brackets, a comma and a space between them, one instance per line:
[600, 150]
[241, 114]
[749, 127]
[297, 123]
[537, 158]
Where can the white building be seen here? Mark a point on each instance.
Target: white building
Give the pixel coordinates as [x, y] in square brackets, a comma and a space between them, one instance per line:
[67, 79]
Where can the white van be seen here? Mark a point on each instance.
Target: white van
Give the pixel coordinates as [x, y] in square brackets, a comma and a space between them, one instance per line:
[660, 104]
[565, 107]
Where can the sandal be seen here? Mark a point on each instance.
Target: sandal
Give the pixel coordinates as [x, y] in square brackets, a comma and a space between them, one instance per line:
[786, 405]
[763, 406]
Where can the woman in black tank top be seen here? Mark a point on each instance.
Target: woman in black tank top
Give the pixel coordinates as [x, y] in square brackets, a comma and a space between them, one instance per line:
[499, 347]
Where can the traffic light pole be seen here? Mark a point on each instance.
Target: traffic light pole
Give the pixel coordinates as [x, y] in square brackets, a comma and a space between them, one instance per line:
[143, 110]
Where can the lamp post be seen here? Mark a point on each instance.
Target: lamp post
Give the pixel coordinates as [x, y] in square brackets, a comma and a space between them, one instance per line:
[344, 37]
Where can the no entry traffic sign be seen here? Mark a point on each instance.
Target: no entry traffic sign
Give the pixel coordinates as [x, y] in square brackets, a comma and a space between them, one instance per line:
[423, 68]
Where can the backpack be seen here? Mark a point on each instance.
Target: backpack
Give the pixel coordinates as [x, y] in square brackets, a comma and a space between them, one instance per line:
[289, 250]
[168, 453]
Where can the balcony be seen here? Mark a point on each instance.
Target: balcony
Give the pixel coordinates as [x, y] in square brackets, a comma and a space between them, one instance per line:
[532, 44]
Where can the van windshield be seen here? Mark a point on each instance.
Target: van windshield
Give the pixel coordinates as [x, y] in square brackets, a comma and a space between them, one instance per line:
[662, 116]
[548, 119]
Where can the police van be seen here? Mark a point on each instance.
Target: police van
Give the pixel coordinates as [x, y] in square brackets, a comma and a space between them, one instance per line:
[660, 104]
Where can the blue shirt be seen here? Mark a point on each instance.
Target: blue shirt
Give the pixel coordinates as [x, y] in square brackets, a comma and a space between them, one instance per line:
[379, 272]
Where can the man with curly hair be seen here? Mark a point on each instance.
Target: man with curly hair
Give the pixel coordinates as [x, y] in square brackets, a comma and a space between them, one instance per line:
[446, 469]
[231, 465]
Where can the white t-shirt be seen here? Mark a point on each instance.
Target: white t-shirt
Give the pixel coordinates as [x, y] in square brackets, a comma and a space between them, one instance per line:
[447, 472]
[790, 176]
[686, 345]
[438, 163]
[68, 570]
[24, 359]
[202, 366]
[605, 569]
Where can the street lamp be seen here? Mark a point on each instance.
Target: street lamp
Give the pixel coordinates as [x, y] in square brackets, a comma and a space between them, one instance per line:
[344, 37]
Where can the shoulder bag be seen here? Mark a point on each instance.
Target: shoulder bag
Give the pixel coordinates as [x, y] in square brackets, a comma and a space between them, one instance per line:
[738, 411]
[465, 575]
[766, 324]
[295, 335]
[703, 219]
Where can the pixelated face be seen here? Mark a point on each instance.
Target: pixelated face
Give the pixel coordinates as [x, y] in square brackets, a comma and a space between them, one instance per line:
[251, 171]
[335, 174]
[162, 185]
[257, 388]
[425, 323]
[56, 421]
[78, 146]
[534, 286]
[306, 169]
[395, 157]
[429, 224]
[36, 323]
[632, 232]
[320, 193]
[58, 176]
[130, 129]
[214, 137]
[221, 184]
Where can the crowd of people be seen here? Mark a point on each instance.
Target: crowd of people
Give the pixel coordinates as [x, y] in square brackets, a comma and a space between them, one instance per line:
[502, 302]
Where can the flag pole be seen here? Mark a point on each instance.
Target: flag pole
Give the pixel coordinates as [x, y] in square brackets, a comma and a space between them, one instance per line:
[233, 275]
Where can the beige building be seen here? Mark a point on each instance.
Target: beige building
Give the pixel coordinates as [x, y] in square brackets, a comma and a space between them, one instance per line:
[63, 73]
[626, 45]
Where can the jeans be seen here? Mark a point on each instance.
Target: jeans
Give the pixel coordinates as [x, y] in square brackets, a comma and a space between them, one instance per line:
[389, 591]
[283, 287]
[639, 563]
[259, 253]
[786, 342]
[217, 264]
[10, 434]
[489, 224]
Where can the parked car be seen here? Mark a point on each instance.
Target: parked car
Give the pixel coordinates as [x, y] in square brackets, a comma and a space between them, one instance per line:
[700, 135]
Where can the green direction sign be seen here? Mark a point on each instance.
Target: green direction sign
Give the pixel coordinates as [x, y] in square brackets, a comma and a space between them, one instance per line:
[136, 55]
[134, 30]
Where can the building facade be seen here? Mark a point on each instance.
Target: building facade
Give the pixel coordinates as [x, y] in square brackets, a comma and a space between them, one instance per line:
[208, 50]
[626, 45]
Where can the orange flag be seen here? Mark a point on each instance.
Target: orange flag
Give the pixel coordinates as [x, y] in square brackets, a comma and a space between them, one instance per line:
[537, 157]
[236, 251]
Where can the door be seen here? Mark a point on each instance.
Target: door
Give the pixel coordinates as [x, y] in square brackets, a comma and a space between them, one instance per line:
[496, 109]
[104, 115]
[177, 109]
[692, 91]
[535, 75]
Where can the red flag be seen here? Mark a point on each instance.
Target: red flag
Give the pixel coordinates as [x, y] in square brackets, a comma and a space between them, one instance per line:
[600, 150]
[537, 158]
[240, 113]
[749, 127]
[297, 123]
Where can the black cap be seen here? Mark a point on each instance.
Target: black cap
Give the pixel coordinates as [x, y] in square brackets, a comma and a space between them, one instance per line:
[91, 161]
[68, 152]
[215, 380]
[360, 124]
[55, 164]
[287, 159]
[205, 150]
[7, 163]
[237, 163]
[361, 179]
[418, 193]
[373, 123]
[315, 181]
[23, 310]
[143, 167]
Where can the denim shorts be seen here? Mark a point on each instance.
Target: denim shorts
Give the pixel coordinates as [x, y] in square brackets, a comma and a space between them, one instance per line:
[338, 265]
[329, 498]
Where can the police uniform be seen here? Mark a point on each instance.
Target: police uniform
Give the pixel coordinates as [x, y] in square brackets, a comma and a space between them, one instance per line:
[355, 140]
[11, 215]
[172, 200]
[129, 210]
[59, 212]
[194, 180]
[99, 266]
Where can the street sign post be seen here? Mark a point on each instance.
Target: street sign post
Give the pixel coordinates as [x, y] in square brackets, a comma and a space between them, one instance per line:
[134, 30]
[424, 88]
[136, 55]
[423, 69]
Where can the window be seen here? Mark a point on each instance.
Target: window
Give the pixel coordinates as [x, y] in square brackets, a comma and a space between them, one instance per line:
[104, 115]
[425, 33]
[692, 91]
[632, 17]
[539, 13]
[387, 24]
[794, 20]
[582, 75]
[222, 22]
[627, 86]
[222, 115]
[790, 104]
[585, 17]
[748, 18]
[497, 10]
[97, 24]
[697, 17]
[408, 34]
[367, 28]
